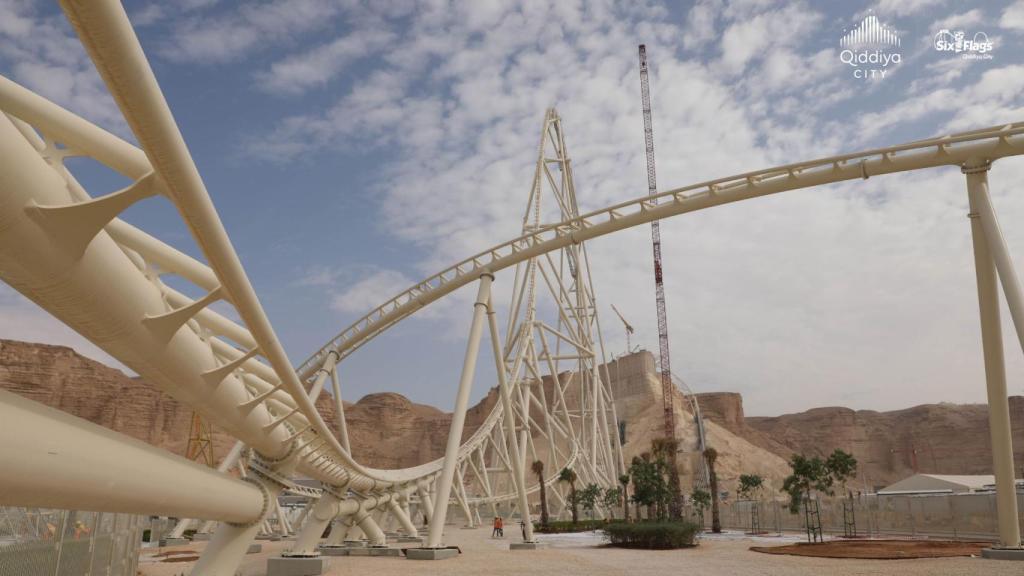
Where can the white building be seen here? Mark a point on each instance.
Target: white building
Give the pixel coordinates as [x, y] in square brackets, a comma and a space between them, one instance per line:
[939, 484]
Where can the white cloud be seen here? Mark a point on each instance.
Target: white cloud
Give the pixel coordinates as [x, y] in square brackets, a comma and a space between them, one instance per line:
[44, 55]
[898, 8]
[969, 18]
[298, 73]
[701, 23]
[1013, 16]
[746, 40]
[254, 27]
[370, 291]
[318, 276]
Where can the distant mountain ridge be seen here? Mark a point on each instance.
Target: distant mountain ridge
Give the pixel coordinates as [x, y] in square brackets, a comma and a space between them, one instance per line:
[389, 431]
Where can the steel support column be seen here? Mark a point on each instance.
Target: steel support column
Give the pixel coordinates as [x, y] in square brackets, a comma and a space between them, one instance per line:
[990, 253]
[399, 514]
[317, 520]
[451, 454]
[510, 426]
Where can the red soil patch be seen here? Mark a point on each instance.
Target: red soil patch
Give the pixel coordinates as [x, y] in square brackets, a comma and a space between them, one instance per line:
[878, 549]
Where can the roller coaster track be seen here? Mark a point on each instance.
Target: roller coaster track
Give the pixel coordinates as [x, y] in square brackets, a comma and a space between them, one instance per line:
[71, 254]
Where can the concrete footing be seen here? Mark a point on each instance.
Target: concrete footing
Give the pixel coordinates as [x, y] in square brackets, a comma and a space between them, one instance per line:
[1003, 553]
[270, 537]
[173, 542]
[201, 536]
[355, 543]
[297, 566]
[524, 546]
[431, 553]
[409, 539]
[375, 551]
[254, 549]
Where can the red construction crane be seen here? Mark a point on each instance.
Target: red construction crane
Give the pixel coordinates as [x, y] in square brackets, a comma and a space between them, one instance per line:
[659, 285]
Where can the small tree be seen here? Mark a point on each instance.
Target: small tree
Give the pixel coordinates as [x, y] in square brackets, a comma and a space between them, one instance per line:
[624, 480]
[671, 502]
[841, 467]
[648, 483]
[568, 475]
[750, 485]
[701, 501]
[808, 474]
[711, 455]
[589, 498]
[538, 469]
[611, 499]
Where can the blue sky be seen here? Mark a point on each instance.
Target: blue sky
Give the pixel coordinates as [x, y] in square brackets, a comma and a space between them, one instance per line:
[353, 148]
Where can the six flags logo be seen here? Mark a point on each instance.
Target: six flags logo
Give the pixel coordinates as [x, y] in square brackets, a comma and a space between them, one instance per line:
[954, 41]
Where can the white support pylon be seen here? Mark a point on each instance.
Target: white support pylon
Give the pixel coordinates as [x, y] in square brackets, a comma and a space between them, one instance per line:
[990, 254]
[519, 477]
[451, 453]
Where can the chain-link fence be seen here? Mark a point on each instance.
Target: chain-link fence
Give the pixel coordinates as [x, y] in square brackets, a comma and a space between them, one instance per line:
[36, 542]
[955, 516]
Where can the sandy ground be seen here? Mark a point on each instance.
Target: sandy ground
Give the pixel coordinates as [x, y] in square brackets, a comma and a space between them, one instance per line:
[583, 554]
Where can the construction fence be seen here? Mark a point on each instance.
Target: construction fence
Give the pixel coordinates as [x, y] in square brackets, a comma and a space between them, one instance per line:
[952, 516]
[35, 542]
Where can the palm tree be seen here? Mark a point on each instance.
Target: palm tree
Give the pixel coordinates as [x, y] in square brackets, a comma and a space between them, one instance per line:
[538, 469]
[567, 475]
[624, 480]
[710, 455]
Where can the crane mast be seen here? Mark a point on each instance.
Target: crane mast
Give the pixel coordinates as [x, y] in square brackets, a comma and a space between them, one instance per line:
[659, 285]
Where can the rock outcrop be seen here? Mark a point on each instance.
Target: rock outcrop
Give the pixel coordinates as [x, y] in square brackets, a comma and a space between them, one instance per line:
[389, 431]
[931, 438]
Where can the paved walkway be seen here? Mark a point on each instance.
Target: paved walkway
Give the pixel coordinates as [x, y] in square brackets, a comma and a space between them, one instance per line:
[571, 554]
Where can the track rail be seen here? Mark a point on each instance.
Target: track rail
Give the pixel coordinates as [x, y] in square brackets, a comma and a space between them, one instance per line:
[952, 150]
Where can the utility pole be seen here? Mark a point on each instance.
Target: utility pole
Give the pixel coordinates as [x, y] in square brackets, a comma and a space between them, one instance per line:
[659, 290]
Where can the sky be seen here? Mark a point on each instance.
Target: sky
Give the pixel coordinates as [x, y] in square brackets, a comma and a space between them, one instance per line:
[354, 148]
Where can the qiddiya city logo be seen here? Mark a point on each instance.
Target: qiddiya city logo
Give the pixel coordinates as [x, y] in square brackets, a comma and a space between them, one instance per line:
[978, 47]
[870, 50]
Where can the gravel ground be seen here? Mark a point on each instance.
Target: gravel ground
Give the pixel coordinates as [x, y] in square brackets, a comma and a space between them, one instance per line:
[567, 554]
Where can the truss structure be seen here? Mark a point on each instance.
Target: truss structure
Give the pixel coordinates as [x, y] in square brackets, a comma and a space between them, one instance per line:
[70, 253]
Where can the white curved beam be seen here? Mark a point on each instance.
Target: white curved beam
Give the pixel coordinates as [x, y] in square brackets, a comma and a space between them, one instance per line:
[954, 150]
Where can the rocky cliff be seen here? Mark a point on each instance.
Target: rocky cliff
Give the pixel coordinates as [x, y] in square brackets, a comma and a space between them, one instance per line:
[388, 431]
[931, 438]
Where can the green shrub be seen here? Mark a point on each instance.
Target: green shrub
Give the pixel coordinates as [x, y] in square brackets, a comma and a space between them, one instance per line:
[563, 526]
[653, 535]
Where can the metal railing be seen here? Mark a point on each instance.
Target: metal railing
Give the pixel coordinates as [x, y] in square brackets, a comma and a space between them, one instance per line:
[955, 516]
